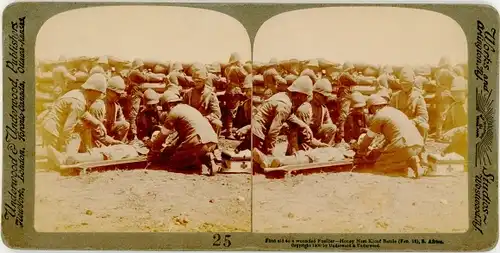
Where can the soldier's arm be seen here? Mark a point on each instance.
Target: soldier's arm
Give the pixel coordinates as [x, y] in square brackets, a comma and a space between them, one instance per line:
[327, 118]
[120, 116]
[299, 120]
[375, 128]
[72, 119]
[215, 111]
[278, 120]
[422, 116]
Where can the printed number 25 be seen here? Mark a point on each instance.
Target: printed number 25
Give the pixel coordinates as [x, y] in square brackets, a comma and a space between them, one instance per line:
[226, 242]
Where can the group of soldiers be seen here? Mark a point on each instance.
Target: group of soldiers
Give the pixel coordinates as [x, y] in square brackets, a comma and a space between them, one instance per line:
[317, 108]
[179, 118]
[178, 111]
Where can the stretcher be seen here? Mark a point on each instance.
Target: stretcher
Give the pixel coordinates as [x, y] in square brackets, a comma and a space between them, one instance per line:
[86, 167]
[334, 166]
[236, 162]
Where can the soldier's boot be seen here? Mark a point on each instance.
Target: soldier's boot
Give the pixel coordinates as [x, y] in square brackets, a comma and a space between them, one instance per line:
[208, 164]
[415, 165]
[260, 158]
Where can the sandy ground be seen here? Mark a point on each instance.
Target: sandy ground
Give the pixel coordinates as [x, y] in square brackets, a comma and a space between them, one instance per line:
[142, 200]
[360, 203]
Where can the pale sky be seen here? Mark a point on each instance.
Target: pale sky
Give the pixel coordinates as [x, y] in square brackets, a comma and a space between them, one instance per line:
[375, 35]
[149, 32]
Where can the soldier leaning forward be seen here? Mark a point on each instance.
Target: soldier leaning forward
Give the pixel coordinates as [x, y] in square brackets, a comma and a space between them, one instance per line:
[186, 138]
[132, 103]
[58, 126]
[274, 112]
[317, 116]
[110, 113]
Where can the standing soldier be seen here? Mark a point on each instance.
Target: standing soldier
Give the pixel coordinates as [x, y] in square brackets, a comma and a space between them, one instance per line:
[270, 116]
[195, 142]
[410, 101]
[204, 99]
[456, 115]
[345, 84]
[149, 116]
[443, 98]
[244, 116]
[58, 126]
[403, 141]
[132, 103]
[235, 75]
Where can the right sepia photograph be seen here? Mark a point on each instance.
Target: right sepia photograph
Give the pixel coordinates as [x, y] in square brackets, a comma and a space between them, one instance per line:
[359, 122]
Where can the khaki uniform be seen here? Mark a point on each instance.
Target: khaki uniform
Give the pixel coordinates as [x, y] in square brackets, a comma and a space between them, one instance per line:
[456, 116]
[148, 120]
[132, 103]
[403, 140]
[356, 124]
[58, 126]
[413, 105]
[268, 121]
[191, 137]
[318, 118]
[207, 104]
[235, 75]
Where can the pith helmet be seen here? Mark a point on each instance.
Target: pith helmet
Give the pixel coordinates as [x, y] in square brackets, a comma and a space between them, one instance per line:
[170, 97]
[375, 99]
[137, 63]
[323, 87]
[235, 57]
[247, 84]
[96, 82]
[302, 85]
[407, 75]
[313, 64]
[151, 97]
[96, 69]
[103, 60]
[384, 94]
[116, 84]
[459, 84]
[200, 74]
[358, 100]
[348, 66]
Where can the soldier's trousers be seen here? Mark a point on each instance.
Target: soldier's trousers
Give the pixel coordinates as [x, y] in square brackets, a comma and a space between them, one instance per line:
[345, 106]
[131, 109]
[179, 158]
[394, 160]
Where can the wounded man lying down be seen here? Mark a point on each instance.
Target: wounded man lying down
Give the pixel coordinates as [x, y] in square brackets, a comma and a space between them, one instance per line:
[317, 155]
[115, 152]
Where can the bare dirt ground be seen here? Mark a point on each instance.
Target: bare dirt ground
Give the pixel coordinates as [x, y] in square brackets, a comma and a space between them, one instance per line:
[142, 200]
[360, 203]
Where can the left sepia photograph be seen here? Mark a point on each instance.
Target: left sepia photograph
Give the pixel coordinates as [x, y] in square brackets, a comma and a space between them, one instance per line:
[141, 119]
